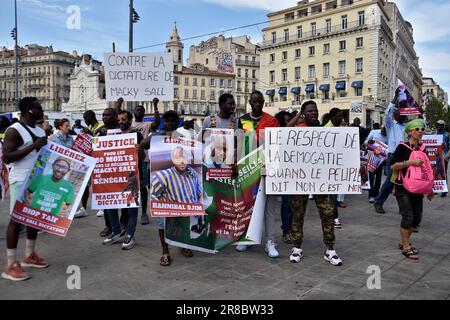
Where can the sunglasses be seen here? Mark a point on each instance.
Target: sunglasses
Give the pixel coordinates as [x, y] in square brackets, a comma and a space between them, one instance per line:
[418, 129]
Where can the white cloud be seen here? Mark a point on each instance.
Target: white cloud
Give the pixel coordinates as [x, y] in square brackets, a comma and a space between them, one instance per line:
[257, 4]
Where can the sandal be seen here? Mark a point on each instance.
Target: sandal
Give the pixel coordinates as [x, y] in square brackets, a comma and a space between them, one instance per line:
[413, 249]
[187, 253]
[165, 260]
[410, 255]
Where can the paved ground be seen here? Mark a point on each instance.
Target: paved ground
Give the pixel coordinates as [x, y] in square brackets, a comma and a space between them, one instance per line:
[366, 239]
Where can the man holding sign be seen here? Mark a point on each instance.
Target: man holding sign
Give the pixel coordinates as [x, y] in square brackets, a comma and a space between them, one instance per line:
[310, 115]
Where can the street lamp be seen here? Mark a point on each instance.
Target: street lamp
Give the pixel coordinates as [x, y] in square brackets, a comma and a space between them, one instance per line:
[16, 50]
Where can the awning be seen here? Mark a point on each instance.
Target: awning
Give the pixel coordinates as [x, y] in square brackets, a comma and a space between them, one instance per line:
[340, 85]
[283, 90]
[309, 88]
[270, 92]
[324, 87]
[295, 90]
[357, 84]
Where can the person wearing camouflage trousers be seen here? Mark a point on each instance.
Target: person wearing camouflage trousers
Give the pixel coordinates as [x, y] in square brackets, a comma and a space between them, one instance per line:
[309, 115]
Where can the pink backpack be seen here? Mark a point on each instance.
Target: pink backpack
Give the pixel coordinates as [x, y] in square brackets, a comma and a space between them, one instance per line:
[418, 180]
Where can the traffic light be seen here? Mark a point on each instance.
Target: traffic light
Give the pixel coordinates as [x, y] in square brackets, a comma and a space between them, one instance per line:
[136, 17]
[14, 34]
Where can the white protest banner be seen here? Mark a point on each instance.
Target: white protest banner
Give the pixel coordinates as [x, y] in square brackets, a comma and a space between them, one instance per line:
[115, 181]
[54, 187]
[139, 76]
[436, 155]
[313, 160]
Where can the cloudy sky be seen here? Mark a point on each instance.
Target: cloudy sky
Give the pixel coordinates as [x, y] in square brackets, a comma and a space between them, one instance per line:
[106, 21]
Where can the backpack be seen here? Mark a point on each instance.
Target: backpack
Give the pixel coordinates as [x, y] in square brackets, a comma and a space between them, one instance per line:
[418, 180]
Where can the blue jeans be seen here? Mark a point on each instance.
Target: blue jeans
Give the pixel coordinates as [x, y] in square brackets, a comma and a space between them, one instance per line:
[286, 214]
[132, 214]
[388, 186]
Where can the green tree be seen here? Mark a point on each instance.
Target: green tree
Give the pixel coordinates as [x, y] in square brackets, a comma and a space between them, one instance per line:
[435, 111]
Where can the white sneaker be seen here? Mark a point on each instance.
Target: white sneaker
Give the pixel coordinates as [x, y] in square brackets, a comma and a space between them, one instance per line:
[296, 255]
[271, 250]
[337, 223]
[311, 197]
[100, 213]
[332, 257]
[129, 243]
[81, 213]
[372, 200]
[241, 248]
[111, 239]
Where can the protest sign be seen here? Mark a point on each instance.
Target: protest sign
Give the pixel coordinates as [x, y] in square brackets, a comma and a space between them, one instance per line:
[365, 181]
[139, 76]
[176, 177]
[377, 154]
[406, 102]
[436, 155]
[312, 160]
[83, 144]
[115, 181]
[50, 196]
[233, 211]
[218, 155]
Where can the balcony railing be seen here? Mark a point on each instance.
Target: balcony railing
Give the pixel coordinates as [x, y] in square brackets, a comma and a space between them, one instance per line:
[247, 63]
[293, 38]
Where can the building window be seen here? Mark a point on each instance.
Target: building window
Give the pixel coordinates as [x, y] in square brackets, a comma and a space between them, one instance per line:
[222, 83]
[328, 25]
[298, 53]
[326, 69]
[239, 88]
[203, 82]
[186, 93]
[342, 45]
[359, 65]
[359, 42]
[284, 74]
[253, 86]
[311, 71]
[212, 82]
[286, 35]
[342, 68]
[207, 61]
[326, 48]
[194, 82]
[272, 58]
[239, 73]
[274, 37]
[358, 92]
[344, 22]
[176, 80]
[312, 51]
[254, 74]
[313, 29]
[194, 94]
[186, 81]
[284, 55]
[203, 95]
[272, 76]
[297, 73]
[299, 32]
[361, 18]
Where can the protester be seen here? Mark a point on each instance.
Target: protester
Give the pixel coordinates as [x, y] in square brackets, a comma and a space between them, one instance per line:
[187, 129]
[4, 124]
[395, 125]
[62, 136]
[93, 129]
[145, 128]
[110, 120]
[257, 121]
[299, 204]
[336, 118]
[77, 127]
[125, 121]
[440, 125]
[362, 131]
[410, 204]
[284, 118]
[22, 142]
[171, 121]
[378, 134]
[225, 118]
[325, 120]
[55, 126]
